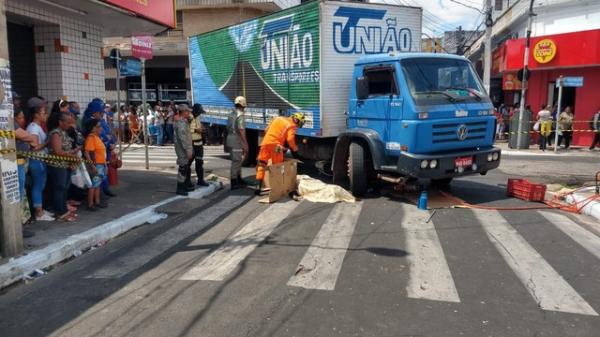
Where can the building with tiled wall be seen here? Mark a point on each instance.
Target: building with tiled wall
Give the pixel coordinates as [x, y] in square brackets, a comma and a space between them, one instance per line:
[55, 46]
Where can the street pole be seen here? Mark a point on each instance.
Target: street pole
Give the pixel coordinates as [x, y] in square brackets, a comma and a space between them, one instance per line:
[145, 112]
[558, 108]
[11, 236]
[487, 57]
[119, 105]
[525, 74]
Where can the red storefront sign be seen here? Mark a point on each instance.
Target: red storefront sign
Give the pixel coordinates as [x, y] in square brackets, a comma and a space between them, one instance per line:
[552, 51]
[160, 11]
[141, 47]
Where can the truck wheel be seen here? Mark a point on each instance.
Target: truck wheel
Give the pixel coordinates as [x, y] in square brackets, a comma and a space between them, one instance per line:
[442, 184]
[357, 171]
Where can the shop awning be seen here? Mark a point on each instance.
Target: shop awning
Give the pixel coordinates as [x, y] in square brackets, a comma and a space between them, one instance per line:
[116, 17]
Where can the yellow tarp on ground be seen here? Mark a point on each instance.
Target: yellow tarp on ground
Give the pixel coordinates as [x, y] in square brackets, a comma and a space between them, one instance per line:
[317, 191]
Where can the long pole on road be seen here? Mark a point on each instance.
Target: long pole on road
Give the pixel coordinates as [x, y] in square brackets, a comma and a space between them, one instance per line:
[525, 74]
[145, 113]
[118, 62]
[487, 69]
[560, 90]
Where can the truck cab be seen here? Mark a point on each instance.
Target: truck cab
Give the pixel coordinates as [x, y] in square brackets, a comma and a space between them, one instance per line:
[415, 115]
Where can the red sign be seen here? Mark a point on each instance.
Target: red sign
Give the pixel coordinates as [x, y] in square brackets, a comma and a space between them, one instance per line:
[510, 82]
[571, 50]
[160, 11]
[141, 47]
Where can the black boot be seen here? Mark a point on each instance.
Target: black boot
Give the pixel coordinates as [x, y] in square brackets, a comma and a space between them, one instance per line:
[181, 189]
[188, 180]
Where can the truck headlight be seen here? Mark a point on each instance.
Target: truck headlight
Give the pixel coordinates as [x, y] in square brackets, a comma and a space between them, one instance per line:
[423, 115]
[424, 164]
[490, 157]
[433, 164]
[496, 156]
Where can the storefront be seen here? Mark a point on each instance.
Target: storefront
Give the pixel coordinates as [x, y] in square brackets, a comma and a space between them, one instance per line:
[552, 56]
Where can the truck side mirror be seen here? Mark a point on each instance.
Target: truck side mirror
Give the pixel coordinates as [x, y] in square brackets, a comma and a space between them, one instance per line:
[362, 87]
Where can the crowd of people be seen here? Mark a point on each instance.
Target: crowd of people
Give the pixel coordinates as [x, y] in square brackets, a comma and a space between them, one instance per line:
[543, 125]
[56, 148]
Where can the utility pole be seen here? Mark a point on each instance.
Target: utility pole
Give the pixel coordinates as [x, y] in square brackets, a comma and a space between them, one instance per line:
[145, 113]
[11, 236]
[459, 41]
[487, 57]
[530, 16]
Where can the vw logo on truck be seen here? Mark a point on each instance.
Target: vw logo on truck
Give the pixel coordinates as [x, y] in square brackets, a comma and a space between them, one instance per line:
[462, 132]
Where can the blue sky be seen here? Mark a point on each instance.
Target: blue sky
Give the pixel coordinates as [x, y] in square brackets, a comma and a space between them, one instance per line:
[444, 15]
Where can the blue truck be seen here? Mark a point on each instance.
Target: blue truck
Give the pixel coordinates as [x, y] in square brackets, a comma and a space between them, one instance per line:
[376, 108]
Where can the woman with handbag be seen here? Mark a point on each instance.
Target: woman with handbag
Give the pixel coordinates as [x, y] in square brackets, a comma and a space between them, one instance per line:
[95, 151]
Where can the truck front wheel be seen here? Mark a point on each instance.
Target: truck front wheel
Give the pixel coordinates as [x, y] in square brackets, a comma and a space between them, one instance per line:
[357, 171]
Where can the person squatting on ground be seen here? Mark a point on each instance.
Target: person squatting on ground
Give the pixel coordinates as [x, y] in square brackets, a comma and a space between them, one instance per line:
[196, 129]
[277, 133]
[237, 141]
[183, 149]
[95, 151]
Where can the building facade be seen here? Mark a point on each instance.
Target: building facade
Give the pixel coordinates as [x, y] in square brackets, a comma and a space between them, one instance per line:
[565, 42]
[55, 47]
[167, 74]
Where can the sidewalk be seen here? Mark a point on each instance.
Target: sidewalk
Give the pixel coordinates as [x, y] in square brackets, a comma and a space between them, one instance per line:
[534, 150]
[139, 195]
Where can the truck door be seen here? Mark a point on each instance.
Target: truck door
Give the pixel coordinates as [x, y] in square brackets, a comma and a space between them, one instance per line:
[380, 102]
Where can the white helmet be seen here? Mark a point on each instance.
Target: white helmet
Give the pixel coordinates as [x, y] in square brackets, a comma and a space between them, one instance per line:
[240, 100]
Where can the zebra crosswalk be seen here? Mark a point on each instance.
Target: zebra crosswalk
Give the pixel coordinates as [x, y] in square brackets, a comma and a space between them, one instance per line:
[321, 264]
[163, 156]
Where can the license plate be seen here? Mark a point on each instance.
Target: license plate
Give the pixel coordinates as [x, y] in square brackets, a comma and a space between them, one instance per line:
[463, 161]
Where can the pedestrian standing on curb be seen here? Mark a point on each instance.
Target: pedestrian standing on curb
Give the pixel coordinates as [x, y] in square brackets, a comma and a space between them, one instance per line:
[544, 118]
[237, 142]
[595, 126]
[37, 168]
[499, 124]
[95, 152]
[24, 142]
[183, 149]
[565, 126]
[61, 145]
[169, 123]
[159, 125]
[197, 140]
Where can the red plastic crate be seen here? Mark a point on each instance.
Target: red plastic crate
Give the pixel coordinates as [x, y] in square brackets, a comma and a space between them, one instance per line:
[526, 190]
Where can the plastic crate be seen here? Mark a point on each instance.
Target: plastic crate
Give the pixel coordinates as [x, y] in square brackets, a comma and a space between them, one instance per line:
[526, 190]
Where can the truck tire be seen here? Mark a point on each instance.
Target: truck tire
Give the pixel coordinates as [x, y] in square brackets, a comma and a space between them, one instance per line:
[442, 184]
[357, 171]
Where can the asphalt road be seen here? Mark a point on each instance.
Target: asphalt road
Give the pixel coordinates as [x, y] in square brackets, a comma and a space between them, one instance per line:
[235, 267]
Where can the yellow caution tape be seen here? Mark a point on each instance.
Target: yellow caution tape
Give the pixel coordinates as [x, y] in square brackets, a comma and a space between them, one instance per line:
[7, 151]
[7, 134]
[531, 132]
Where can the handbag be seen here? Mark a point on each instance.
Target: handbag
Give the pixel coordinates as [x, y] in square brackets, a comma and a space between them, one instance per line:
[80, 177]
[536, 126]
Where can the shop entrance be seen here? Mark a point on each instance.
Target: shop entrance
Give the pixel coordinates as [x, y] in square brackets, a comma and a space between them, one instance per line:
[568, 96]
[22, 59]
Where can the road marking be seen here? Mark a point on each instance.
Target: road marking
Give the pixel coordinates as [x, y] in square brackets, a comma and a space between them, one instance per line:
[585, 238]
[321, 265]
[228, 256]
[430, 276]
[141, 255]
[547, 287]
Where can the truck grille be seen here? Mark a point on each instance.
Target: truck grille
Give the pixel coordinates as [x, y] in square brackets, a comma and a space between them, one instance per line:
[447, 132]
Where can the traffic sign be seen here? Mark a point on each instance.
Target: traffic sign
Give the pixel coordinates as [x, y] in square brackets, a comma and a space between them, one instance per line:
[576, 81]
[130, 67]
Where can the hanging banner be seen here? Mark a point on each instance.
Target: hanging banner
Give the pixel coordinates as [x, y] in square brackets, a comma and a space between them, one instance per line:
[130, 68]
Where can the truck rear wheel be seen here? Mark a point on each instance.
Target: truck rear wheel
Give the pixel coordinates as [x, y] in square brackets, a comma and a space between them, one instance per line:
[357, 171]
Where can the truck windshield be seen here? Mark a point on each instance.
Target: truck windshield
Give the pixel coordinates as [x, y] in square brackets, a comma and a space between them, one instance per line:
[439, 80]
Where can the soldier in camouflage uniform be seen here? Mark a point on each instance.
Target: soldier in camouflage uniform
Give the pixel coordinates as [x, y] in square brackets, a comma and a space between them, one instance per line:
[183, 148]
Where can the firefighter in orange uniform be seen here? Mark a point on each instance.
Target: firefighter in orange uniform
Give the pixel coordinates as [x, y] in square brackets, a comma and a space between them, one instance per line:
[280, 130]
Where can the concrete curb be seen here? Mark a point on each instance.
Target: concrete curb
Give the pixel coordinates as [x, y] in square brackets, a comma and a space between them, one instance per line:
[17, 269]
[592, 209]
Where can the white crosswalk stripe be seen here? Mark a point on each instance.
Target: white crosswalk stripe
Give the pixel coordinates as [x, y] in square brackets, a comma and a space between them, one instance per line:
[430, 276]
[548, 288]
[322, 262]
[585, 238]
[137, 257]
[218, 265]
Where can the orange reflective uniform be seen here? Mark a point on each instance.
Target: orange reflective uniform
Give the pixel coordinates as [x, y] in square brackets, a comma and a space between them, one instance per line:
[280, 130]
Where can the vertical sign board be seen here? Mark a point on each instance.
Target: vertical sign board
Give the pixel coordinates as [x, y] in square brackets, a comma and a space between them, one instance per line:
[141, 47]
[10, 175]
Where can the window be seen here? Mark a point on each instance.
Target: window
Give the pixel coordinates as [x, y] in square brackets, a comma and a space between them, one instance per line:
[381, 81]
[179, 17]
